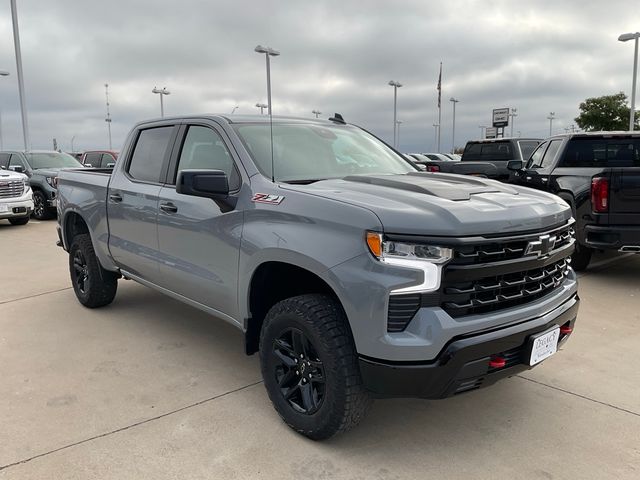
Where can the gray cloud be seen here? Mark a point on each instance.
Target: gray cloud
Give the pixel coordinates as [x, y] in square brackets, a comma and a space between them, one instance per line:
[337, 56]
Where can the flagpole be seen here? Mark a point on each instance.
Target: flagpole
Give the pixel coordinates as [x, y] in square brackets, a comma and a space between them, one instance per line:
[439, 106]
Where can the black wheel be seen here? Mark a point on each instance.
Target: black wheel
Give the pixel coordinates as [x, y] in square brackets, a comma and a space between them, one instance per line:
[40, 209]
[94, 286]
[581, 257]
[19, 221]
[310, 367]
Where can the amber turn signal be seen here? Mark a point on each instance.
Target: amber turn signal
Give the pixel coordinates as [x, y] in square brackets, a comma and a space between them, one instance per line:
[374, 242]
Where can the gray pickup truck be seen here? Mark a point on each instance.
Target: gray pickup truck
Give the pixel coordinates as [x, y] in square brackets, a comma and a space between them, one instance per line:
[350, 272]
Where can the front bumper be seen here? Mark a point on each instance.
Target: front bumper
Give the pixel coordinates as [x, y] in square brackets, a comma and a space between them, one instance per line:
[611, 236]
[16, 208]
[463, 365]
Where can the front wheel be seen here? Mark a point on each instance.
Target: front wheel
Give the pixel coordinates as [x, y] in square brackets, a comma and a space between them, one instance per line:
[310, 367]
[40, 209]
[93, 285]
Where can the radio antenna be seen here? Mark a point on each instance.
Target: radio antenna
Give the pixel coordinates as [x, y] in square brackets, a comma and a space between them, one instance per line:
[269, 52]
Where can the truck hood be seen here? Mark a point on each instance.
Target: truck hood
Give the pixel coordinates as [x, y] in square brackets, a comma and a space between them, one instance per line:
[438, 204]
[49, 172]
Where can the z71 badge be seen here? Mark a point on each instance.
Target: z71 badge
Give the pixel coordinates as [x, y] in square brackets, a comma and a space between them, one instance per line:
[266, 198]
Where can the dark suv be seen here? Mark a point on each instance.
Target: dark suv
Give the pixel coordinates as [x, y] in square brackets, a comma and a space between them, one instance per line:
[499, 152]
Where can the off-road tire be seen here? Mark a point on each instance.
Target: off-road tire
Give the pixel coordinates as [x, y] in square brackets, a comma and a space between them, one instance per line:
[19, 221]
[323, 322]
[93, 285]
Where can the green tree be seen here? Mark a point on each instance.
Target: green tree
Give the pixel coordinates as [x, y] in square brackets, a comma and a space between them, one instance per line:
[609, 112]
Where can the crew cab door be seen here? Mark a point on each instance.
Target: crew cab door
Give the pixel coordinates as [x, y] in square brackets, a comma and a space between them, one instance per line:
[537, 173]
[200, 243]
[132, 201]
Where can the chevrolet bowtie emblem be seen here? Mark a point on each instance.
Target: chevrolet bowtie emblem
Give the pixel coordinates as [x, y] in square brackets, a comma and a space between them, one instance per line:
[542, 246]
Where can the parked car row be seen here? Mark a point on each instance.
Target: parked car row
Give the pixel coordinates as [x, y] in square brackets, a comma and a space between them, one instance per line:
[38, 170]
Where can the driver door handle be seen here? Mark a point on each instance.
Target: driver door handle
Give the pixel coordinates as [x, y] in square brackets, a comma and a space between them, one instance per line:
[115, 197]
[168, 207]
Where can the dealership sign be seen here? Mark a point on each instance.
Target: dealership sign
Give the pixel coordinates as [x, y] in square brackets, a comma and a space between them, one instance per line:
[491, 133]
[500, 117]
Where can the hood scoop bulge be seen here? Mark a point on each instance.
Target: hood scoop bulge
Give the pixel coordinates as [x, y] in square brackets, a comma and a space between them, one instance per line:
[449, 187]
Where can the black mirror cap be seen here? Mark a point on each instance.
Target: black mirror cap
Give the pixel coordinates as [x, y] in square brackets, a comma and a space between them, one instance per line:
[203, 183]
[515, 165]
[17, 168]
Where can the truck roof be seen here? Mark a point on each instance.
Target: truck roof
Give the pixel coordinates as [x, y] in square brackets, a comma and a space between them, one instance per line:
[247, 119]
[602, 134]
[503, 139]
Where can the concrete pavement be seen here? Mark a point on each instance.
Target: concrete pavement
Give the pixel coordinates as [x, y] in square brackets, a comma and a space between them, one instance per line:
[150, 388]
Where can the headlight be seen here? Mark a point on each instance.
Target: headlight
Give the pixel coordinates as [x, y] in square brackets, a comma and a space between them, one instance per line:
[53, 181]
[27, 185]
[428, 258]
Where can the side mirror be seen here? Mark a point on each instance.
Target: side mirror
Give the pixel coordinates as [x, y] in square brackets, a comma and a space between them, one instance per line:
[17, 168]
[212, 184]
[515, 165]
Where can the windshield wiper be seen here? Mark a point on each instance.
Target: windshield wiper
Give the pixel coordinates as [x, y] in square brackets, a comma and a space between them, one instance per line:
[306, 181]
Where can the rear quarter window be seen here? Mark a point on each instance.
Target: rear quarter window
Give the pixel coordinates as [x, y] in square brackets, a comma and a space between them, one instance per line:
[149, 154]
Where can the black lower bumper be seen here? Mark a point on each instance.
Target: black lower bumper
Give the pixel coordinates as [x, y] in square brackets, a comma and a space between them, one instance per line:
[464, 365]
[612, 236]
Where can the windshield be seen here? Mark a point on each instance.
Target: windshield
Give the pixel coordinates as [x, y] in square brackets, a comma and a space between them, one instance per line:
[306, 152]
[52, 160]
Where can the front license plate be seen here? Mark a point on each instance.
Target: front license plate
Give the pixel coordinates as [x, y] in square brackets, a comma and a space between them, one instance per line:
[4, 208]
[544, 345]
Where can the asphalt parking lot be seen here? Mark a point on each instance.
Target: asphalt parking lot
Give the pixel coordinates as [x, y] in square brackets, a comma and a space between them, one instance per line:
[148, 388]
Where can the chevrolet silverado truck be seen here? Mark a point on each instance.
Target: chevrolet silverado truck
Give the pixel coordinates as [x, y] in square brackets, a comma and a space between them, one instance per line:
[42, 167]
[351, 273]
[598, 175]
[16, 203]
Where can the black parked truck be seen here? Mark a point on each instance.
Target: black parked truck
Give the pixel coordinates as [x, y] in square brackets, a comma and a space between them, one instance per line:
[598, 175]
[499, 152]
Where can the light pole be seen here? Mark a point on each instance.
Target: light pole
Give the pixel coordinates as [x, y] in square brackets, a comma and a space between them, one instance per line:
[162, 93]
[513, 115]
[625, 37]
[3, 73]
[398, 122]
[234, 109]
[261, 106]
[108, 118]
[72, 139]
[435, 133]
[317, 113]
[453, 135]
[268, 52]
[551, 116]
[482, 127]
[396, 86]
[23, 102]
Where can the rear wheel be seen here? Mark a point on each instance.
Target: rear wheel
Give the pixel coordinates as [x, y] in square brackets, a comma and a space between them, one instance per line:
[19, 221]
[93, 285]
[581, 257]
[310, 367]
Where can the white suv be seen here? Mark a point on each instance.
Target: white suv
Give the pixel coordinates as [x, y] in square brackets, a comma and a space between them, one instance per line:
[16, 197]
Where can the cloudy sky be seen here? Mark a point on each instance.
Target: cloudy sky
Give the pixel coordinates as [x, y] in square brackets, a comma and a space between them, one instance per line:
[337, 56]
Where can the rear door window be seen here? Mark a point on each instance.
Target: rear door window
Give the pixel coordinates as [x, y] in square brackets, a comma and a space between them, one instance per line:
[107, 161]
[536, 159]
[150, 154]
[602, 153]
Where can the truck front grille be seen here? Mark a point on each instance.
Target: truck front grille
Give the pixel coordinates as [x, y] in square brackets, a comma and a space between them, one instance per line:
[496, 292]
[11, 189]
[488, 274]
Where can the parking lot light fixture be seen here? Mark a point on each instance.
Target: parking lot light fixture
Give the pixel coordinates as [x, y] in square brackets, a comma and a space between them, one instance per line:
[396, 86]
[317, 113]
[261, 106]
[268, 52]
[551, 116]
[625, 37]
[162, 93]
[453, 135]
